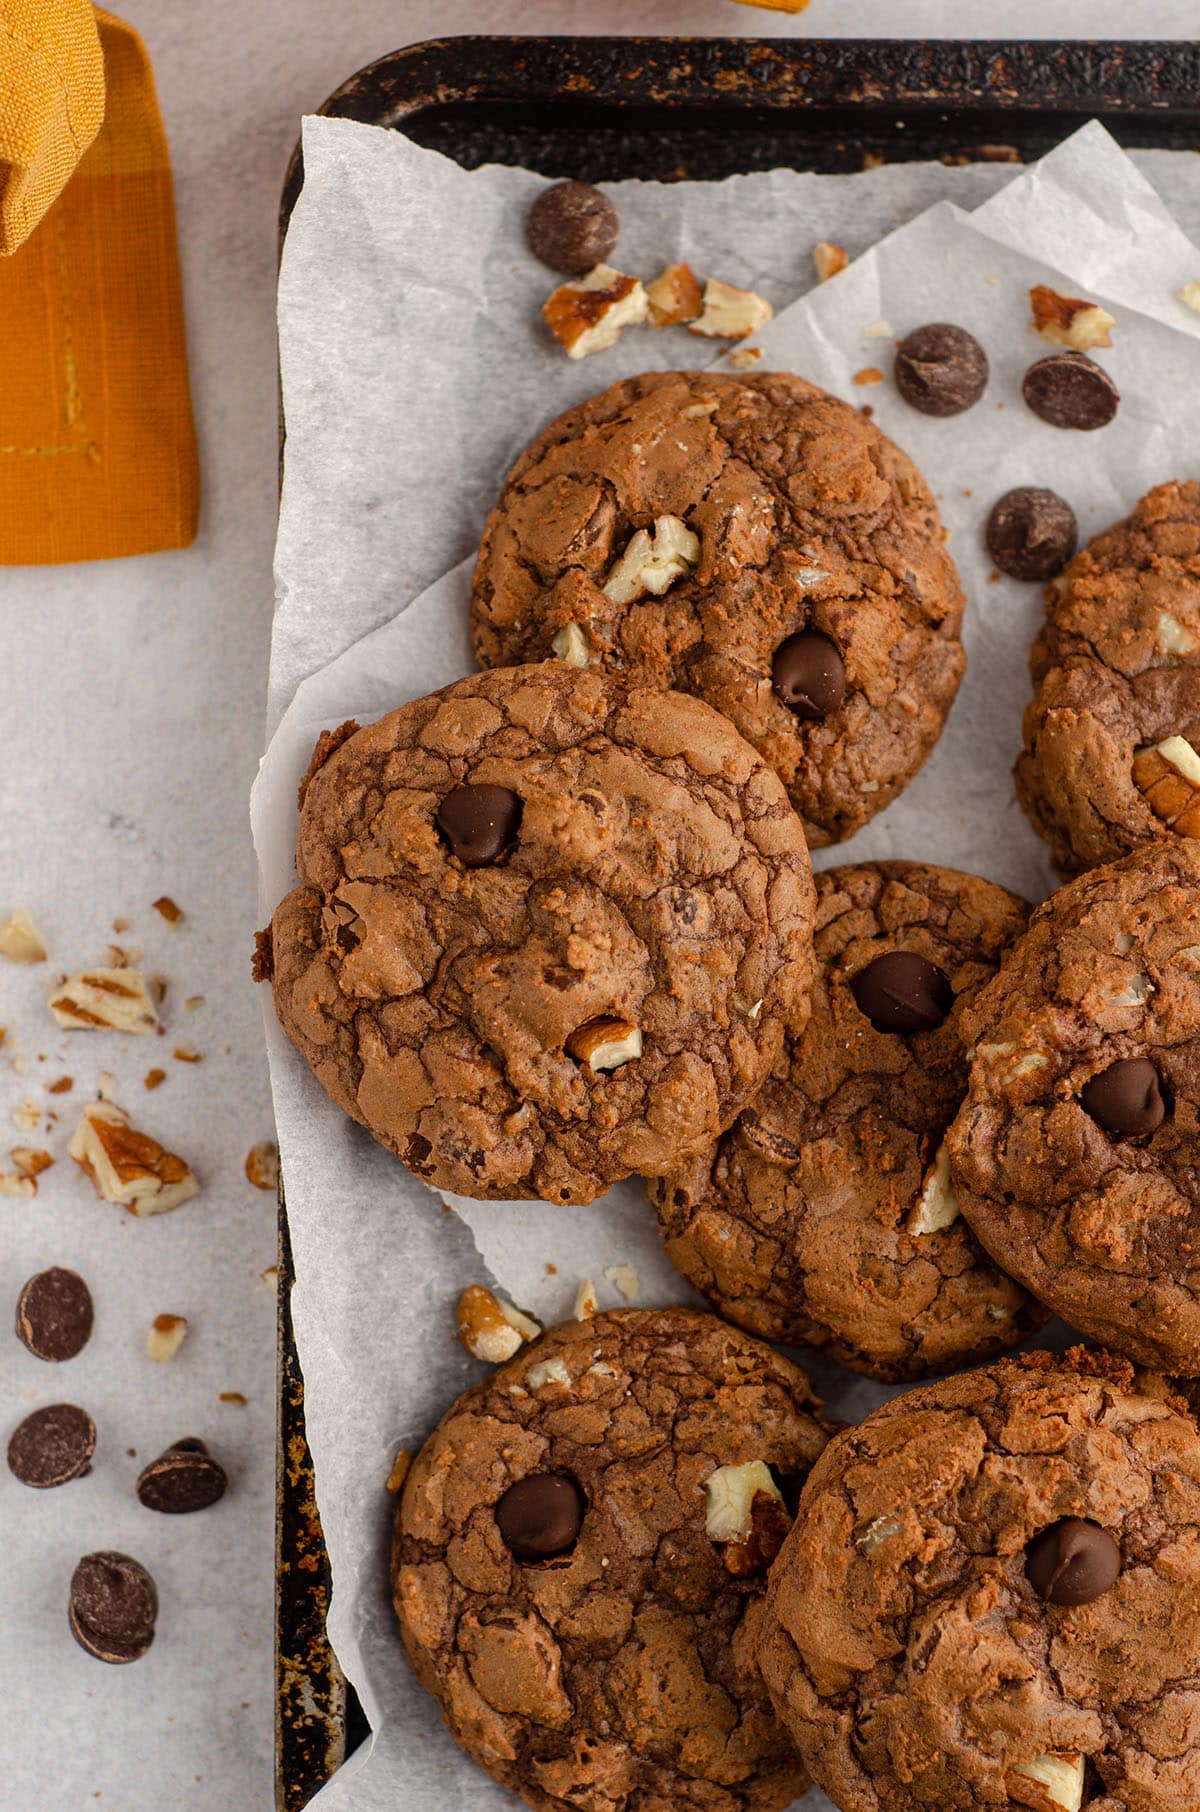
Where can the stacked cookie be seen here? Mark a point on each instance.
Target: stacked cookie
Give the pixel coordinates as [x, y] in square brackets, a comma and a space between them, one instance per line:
[556, 926]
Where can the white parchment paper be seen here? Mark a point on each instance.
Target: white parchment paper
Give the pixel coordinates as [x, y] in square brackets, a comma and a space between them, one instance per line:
[413, 371]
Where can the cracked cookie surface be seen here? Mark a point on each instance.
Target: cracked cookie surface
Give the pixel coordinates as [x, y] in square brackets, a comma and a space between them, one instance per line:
[619, 1673]
[796, 1223]
[808, 520]
[1075, 1151]
[1117, 671]
[650, 875]
[907, 1647]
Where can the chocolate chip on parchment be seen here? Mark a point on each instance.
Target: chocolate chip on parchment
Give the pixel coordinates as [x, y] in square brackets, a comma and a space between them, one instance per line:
[479, 822]
[540, 1516]
[52, 1445]
[113, 1607]
[1069, 390]
[902, 992]
[1072, 1562]
[808, 675]
[1031, 533]
[183, 1479]
[55, 1314]
[1125, 1099]
[941, 369]
[572, 228]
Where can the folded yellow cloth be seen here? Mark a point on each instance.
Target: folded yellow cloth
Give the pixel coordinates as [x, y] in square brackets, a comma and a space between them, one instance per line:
[51, 105]
[97, 444]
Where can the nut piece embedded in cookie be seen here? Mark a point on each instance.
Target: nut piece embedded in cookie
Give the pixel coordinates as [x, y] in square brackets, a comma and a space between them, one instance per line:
[570, 644]
[1050, 1783]
[730, 313]
[1169, 776]
[491, 1329]
[588, 315]
[605, 1043]
[674, 297]
[1069, 320]
[126, 1166]
[653, 562]
[746, 1514]
[937, 1205]
[109, 1000]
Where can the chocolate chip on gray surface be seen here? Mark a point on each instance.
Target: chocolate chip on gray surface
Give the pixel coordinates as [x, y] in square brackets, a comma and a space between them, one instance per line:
[183, 1479]
[572, 227]
[1031, 533]
[1069, 390]
[903, 992]
[1072, 1562]
[941, 369]
[55, 1314]
[113, 1607]
[479, 822]
[808, 674]
[1126, 1099]
[541, 1516]
[52, 1445]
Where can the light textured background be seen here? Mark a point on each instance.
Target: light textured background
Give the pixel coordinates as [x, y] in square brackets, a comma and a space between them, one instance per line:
[129, 732]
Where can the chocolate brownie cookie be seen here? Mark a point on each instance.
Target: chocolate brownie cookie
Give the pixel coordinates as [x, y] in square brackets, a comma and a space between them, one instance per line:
[825, 1216]
[751, 540]
[549, 929]
[579, 1559]
[1074, 1154]
[1113, 730]
[991, 1598]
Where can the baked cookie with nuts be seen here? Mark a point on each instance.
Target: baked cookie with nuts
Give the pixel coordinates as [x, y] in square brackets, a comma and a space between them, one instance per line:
[990, 1597]
[1074, 1154]
[549, 930]
[751, 540]
[1112, 734]
[826, 1215]
[579, 1558]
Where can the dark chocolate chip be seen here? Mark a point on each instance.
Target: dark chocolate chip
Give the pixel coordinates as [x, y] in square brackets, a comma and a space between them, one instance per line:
[479, 822]
[1071, 391]
[1072, 1562]
[1031, 533]
[183, 1479]
[807, 674]
[572, 227]
[941, 369]
[113, 1607]
[1125, 1099]
[52, 1445]
[541, 1516]
[55, 1314]
[902, 992]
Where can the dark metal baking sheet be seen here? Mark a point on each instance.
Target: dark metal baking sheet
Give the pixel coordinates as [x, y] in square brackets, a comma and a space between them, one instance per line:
[606, 108]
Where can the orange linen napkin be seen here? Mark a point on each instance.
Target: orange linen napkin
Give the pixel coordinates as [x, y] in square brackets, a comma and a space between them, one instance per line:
[51, 105]
[97, 444]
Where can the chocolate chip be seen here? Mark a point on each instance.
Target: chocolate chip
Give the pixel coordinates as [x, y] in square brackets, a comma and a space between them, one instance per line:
[1031, 534]
[1071, 391]
[1125, 1099]
[572, 227]
[55, 1315]
[1072, 1562]
[902, 992]
[807, 674]
[113, 1607]
[183, 1479]
[479, 822]
[52, 1445]
[540, 1516]
[941, 369]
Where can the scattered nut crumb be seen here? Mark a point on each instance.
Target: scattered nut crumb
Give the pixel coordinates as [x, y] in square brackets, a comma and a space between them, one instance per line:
[588, 314]
[1069, 320]
[126, 1166]
[585, 1300]
[106, 1085]
[270, 1277]
[193, 1001]
[20, 1066]
[166, 906]
[742, 358]
[121, 925]
[1190, 293]
[490, 1329]
[167, 1334]
[154, 1078]
[624, 1278]
[17, 1184]
[879, 330]
[120, 958]
[20, 939]
[399, 1472]
[262, 1165]
[63, 1086]
[186, 1053]
[232, 1396]
[730, 313]
[158, 987]
[870, 374]
[828, 259]
[31, 1160]
[674, 297]
[114, 1000]
[28, 1116]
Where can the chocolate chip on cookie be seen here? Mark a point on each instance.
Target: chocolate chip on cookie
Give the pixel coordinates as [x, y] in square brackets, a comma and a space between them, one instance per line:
[1031, 533]
[572, 228]
[751, 540]
[549, 932]
[55, 1315]
[1074, 1152]
[52, 1446]
[580, 1555]
[1069, 390]
[941, 369]
[920, 1604]
[113, 1607]
[826, 1216]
